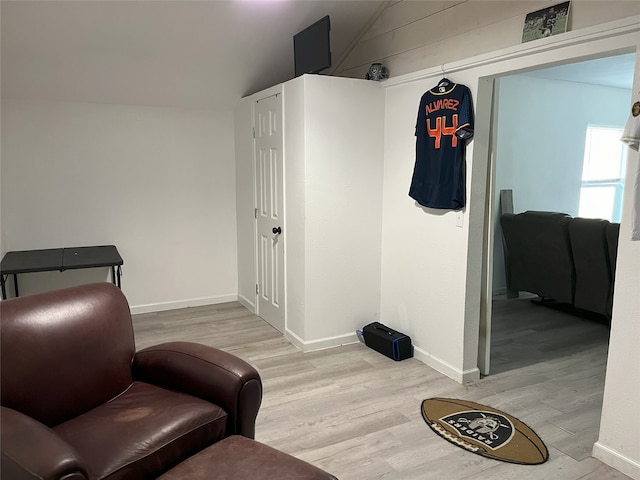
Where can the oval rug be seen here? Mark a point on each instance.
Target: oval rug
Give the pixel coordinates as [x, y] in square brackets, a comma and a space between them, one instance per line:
[484, 431]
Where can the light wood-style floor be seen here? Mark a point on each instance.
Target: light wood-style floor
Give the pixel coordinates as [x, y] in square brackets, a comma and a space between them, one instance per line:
[356, 413]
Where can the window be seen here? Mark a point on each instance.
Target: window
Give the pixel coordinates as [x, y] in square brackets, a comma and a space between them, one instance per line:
[602, 174]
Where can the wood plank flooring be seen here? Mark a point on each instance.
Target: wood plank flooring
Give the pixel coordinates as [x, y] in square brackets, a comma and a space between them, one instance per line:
[356, 413]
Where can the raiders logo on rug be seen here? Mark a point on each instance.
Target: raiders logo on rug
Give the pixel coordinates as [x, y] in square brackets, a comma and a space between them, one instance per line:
[484, 431]
[491, 429]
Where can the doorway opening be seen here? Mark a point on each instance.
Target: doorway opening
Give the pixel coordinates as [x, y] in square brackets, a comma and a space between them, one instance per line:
[540, 123]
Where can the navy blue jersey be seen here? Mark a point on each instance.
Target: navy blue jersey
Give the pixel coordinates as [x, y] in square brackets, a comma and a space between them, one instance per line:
[445, 123]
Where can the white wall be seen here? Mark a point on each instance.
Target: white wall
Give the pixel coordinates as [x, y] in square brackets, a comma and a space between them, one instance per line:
[423, 254]
[541, 133]
[245, 203]
[619, 441]
[156, 182]
[295, 167]
[343, 122]
[423, 251]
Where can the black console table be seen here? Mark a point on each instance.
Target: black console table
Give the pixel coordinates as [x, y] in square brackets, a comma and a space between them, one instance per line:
[61, 259]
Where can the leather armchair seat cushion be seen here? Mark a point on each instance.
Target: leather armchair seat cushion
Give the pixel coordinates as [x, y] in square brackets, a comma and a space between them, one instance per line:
[142, 432]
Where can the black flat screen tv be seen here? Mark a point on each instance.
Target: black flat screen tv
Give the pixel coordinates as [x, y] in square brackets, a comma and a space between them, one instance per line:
[312, 48]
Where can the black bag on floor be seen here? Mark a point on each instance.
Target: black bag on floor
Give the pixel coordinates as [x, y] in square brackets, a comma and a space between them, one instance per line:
[387, 341]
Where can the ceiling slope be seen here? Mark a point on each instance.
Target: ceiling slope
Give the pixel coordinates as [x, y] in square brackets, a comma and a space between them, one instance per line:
[188, 54]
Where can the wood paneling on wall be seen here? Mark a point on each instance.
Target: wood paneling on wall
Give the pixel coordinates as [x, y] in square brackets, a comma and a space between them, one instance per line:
[399, 14]
[412, 35]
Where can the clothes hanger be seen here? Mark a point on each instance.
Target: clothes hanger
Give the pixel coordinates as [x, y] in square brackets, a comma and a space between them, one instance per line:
[444, 81]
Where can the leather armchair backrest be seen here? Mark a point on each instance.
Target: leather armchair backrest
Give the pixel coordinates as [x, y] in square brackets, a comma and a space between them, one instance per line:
[65, 352]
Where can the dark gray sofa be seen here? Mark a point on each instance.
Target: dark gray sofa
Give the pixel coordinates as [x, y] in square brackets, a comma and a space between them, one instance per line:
[558, 257]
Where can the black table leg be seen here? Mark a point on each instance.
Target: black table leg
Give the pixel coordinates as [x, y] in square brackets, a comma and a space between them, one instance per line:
[15, 284]
[115, 275]
[4, 288]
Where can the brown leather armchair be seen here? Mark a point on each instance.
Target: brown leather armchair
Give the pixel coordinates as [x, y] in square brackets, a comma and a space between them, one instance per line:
[78, 402]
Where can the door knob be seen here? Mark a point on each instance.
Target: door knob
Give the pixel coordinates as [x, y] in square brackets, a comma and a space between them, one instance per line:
[277, 230]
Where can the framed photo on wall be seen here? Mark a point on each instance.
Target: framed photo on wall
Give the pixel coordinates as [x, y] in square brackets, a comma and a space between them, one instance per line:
[546, 22]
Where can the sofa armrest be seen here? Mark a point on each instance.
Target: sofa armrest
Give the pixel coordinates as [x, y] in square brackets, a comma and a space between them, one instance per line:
[31, 450]
[208, 373]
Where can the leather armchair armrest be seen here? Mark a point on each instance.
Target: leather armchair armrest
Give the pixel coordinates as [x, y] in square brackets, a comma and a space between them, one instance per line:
[207, 373]
[31, 450]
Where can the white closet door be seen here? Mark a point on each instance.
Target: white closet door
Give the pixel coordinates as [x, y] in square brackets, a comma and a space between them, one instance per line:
[270, 227]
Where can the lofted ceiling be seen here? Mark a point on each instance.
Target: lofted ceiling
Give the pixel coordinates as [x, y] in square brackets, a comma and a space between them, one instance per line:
[188, 53]
[177, 53]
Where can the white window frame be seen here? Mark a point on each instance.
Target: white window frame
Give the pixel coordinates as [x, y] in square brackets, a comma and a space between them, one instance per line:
[617, 181]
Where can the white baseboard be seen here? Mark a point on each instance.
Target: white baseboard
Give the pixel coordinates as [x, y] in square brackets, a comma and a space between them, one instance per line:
[193, 302]
[460, 376]
[248, 304]
[434, 362]
[616, 460]
[321, 344]
[441, 366]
